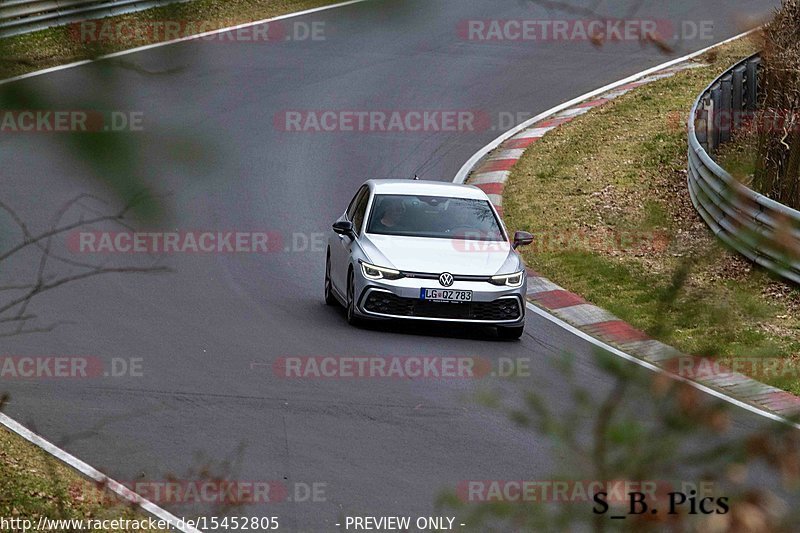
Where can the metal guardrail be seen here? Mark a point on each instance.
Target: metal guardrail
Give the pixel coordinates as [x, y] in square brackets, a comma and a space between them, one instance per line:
[23, 16]
[761, 229]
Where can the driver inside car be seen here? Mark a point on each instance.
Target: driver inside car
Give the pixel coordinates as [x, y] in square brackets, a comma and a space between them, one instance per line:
[393, 218]
[460, 222]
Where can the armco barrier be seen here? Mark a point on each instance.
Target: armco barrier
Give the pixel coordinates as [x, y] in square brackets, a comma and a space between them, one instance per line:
[23, 16]
[763, 230]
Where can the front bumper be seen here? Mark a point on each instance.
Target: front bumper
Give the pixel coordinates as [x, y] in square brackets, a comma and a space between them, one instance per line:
[399, 299]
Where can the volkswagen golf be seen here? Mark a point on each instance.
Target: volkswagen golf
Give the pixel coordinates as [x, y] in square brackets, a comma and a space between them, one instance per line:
[426, 250]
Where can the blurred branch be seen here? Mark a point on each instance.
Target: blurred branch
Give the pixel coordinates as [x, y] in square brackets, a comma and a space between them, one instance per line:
[14, 307]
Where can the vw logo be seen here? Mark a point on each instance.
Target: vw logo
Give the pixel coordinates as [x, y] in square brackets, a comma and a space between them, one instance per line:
[446, 279]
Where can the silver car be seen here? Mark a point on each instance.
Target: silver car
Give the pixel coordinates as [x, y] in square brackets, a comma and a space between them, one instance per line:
[426, 250]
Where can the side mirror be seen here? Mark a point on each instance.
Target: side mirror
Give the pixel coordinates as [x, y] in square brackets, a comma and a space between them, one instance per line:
[345, 227]
[522, 238]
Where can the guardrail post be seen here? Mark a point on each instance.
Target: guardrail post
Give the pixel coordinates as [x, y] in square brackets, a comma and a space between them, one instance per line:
[725, 109]
[738, 95]
[752, 83]
[713, 117]
[701, 123]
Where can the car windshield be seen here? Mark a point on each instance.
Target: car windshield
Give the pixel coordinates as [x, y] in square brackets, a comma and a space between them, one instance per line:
[434, 216]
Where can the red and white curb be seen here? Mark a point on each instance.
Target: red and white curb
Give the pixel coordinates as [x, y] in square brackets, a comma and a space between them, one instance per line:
[491, 173]
[491, 170]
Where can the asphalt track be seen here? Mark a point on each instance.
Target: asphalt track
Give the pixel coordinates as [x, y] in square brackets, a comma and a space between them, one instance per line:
[380, 446]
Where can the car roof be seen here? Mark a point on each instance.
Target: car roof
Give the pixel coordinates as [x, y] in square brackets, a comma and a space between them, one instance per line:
[426, 188]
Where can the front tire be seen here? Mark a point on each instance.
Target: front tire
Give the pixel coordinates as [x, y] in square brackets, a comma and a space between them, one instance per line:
[330, 299]
[510, 333]
[352, 319]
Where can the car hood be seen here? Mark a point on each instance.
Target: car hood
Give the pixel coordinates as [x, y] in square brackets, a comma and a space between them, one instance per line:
[457, 256]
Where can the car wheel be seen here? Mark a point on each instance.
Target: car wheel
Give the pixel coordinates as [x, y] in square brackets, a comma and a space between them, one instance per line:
[352, 319]
[510, 333]
[330, 299]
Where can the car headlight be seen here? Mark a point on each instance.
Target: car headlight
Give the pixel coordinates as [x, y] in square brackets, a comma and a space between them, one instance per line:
[376, 272]
[509, 280]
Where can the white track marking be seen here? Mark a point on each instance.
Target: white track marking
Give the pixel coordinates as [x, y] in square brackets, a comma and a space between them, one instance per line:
[92, 473]
[181, 40]
[650, 366]
[462, 174]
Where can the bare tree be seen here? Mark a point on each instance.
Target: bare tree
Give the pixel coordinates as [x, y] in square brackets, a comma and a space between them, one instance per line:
[18, 295]
[778, 159]
[645, 429]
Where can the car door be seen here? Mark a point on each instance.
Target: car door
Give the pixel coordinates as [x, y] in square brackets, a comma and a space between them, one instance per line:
[341, 245]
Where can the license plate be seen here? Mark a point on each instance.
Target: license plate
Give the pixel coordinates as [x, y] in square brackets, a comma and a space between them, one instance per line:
[445, 295]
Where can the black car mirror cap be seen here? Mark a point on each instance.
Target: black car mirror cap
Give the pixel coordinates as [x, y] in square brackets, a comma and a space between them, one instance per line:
[522, 238]
[344, 227]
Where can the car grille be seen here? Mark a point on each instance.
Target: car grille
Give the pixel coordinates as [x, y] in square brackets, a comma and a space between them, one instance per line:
[384, 303]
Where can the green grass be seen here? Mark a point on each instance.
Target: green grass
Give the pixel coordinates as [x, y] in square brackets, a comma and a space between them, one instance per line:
[738, 156]
[622, 167]
[33, 484]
